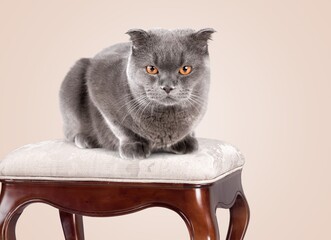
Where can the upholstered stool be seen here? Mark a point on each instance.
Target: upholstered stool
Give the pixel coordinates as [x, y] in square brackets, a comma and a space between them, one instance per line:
[97, 182]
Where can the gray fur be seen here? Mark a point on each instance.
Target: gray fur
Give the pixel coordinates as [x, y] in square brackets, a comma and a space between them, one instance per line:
[110, 100]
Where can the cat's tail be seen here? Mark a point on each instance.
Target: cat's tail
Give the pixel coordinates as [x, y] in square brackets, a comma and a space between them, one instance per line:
[74, 100]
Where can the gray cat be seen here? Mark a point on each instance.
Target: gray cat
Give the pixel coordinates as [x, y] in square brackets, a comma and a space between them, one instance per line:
[139, 97]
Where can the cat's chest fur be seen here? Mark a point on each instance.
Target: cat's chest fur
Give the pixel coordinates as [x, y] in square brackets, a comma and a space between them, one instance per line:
[163, 127]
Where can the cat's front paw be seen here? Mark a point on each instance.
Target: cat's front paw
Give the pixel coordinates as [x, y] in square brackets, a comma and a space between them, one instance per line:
[83, 141]
[187, 145]
[134, 150]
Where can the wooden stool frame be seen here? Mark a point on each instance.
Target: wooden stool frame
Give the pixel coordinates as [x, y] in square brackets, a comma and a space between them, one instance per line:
[195, 203]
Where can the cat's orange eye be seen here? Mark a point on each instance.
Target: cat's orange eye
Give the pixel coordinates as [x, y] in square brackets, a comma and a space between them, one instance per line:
[152, 70]
[185, 70]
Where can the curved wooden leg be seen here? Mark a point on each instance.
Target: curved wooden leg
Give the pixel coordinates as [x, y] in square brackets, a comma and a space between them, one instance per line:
[72, 225]
[10, 211]
[239, 218]
[203, 225]
[8, 225]
[199, 214]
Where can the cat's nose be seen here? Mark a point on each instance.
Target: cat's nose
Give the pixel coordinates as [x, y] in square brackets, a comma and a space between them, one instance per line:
[167, 89]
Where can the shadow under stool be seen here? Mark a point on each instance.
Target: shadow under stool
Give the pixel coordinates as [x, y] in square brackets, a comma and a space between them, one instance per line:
[98, 183]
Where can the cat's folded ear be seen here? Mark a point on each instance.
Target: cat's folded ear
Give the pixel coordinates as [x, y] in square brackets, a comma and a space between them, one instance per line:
[138, 37]
[202, 36]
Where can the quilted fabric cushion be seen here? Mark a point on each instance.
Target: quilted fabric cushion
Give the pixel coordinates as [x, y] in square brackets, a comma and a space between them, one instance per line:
[61, 160]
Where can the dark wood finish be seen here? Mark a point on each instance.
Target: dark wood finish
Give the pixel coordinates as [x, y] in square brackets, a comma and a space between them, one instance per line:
[72, 225]
[195, 203]
[239, 218]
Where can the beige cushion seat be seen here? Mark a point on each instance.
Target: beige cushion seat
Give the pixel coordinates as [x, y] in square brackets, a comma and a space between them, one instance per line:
[98, 183]
[60, 160]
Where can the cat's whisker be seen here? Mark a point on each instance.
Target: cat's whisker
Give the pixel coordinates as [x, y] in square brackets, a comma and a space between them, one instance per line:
[129, 103]
[197, 101]
[129, 112]
[193, 104]
[141, 111]
[124, 101]
[123, 98]
[130, 108]
[141, 114]
[197, 97]
[133, 100]
[135, 107]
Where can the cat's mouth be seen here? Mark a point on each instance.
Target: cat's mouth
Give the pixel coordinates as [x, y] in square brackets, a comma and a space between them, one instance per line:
[169, 100]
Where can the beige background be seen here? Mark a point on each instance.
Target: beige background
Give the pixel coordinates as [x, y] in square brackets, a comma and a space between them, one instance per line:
[270, 96]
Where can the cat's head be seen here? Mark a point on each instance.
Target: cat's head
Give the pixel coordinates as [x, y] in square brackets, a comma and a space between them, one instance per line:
[169, 67]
